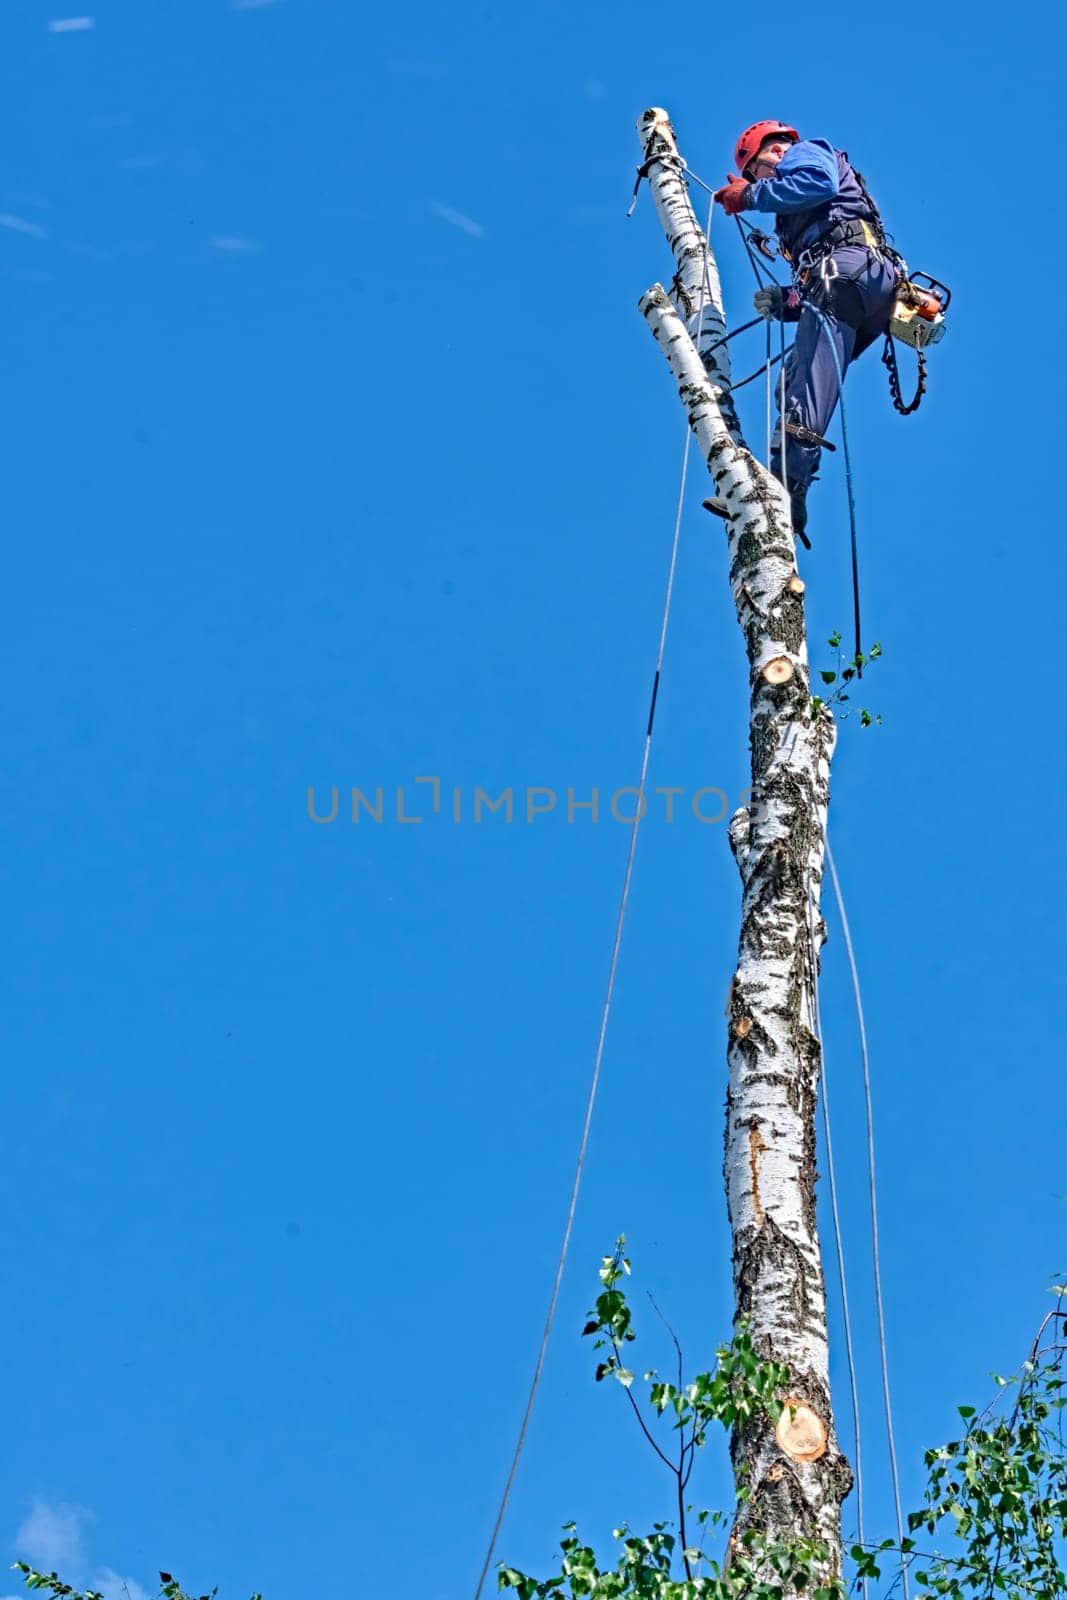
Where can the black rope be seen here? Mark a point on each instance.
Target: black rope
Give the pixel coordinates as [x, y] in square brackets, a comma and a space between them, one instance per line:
[757, 269]
[727, 337]
[760, 370]
[652, 707]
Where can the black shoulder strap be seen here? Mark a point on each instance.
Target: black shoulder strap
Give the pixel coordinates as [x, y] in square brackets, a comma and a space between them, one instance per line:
[869, 200]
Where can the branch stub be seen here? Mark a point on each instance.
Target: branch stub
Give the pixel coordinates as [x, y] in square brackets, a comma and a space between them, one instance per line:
[778, 670]
[801, 1433]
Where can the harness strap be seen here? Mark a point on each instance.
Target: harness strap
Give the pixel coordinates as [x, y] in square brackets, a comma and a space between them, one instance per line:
[808, 436]
[857, 231]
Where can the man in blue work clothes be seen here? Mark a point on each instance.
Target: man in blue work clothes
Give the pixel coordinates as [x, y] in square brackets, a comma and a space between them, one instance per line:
[831, 234]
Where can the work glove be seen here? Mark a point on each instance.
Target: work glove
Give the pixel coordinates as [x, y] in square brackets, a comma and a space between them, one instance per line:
[733, 196]
[769, 301]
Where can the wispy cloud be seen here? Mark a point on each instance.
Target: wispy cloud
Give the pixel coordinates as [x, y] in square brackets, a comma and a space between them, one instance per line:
[20, 225]
[70, 25]
[51, 1536]
[232, 245]
[457, 219]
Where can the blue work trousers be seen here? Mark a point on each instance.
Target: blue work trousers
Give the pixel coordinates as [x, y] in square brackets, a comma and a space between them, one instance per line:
[856, 300]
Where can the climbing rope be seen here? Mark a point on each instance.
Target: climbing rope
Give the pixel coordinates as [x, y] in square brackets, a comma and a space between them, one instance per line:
[781, 406]
[816, 1028]
[873, 1191]
[761, 369]
[767, 393]
[848, 480]
[760, 272]
[608, 993]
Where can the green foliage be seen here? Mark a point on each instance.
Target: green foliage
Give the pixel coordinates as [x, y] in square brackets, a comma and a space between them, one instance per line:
[995, 1498]
[169, 1587]
[1001, 1489]
[643, 1570]
[843, 676]
[52, 1584]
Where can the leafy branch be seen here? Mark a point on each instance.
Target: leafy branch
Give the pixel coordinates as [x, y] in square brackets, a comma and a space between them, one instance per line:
[51, 1583]
[759, 1568]
[843, 676]
[1002, 1487]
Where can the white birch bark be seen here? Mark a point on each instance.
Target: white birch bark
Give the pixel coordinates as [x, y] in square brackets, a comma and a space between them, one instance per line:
[795, 1475]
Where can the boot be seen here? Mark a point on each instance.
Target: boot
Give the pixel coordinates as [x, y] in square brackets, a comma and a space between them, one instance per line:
[798, 512]
[798, 492]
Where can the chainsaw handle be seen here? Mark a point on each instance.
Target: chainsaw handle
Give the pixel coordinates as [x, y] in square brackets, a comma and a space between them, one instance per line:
[943, 293]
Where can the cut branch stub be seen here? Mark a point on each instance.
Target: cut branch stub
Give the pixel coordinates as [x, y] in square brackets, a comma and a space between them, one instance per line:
[801, 1433]
[796, 584]
[779, 669]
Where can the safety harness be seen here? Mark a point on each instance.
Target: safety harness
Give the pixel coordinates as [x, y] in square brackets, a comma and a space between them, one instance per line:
[857, 231]
[918, 315]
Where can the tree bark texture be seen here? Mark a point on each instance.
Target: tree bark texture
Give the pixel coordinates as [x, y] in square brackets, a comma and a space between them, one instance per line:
[795, 1475]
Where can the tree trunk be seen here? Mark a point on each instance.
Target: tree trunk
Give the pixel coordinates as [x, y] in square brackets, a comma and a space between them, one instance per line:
[795, 1475]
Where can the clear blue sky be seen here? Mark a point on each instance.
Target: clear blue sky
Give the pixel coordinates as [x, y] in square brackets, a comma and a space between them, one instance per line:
[335, 453]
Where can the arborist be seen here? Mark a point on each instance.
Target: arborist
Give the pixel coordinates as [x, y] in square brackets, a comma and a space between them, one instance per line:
[830, 232]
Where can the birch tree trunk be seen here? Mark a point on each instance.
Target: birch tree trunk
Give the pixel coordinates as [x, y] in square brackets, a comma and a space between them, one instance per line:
[795, 1475]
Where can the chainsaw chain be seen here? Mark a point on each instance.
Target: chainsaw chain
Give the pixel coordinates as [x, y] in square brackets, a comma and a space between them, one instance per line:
[889, 361]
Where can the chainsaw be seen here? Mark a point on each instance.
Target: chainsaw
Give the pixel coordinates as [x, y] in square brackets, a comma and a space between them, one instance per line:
[918, 316]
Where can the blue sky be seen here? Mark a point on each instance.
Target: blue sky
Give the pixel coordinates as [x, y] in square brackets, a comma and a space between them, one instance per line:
[336, 453]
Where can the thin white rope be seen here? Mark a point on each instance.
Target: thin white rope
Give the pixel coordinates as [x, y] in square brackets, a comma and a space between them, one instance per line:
[768, 394]
[875, 1253]
[816, 1027]
[639, 812]
[781, 408]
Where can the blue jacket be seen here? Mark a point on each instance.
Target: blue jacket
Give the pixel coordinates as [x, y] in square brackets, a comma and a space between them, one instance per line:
[813, 189]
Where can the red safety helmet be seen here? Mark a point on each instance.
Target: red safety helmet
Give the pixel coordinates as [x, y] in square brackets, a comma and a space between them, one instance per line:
[750, 141]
